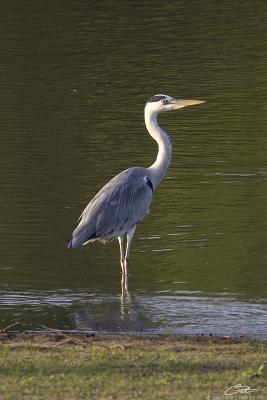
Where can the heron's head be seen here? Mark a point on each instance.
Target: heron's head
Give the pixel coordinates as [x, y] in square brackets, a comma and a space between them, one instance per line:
[162, 102]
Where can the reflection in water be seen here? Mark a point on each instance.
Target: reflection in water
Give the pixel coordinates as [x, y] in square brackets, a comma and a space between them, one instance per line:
[126, 306]
[115, 314]
[122, 315]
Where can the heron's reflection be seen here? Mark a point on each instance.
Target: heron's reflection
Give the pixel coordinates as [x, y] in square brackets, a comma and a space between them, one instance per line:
[110, 312]
[125, 300]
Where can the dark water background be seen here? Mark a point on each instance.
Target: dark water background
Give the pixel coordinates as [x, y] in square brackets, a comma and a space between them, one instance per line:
[74, 80]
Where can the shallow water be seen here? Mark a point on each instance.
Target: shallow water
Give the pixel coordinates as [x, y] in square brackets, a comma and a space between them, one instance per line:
[75, 78]
[180, 312]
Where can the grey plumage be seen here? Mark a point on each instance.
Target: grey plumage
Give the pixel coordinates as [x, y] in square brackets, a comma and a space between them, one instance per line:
[116, 208]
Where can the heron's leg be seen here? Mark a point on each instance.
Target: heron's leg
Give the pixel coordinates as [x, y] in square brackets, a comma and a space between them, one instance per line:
[130, 235]
[124, 277]
[120, 239]
[124, 284]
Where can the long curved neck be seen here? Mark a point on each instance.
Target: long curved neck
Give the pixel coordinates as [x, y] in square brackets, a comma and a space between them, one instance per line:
[160, 166]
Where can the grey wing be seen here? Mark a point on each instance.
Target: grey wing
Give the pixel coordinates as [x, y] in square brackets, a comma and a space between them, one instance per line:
[117, 207]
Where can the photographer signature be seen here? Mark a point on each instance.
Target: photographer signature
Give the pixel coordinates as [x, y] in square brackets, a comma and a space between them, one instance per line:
[239, 389]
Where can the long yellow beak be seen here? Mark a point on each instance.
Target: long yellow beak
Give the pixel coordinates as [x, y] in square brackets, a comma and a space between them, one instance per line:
[184, 103]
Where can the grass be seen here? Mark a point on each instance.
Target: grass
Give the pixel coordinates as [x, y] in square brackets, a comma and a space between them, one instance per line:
[58, 366]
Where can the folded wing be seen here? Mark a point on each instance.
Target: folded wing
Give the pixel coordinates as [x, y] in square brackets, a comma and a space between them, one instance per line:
[116, 208]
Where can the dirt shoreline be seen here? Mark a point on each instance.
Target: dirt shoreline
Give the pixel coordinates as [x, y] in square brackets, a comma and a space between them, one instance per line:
[54, 335]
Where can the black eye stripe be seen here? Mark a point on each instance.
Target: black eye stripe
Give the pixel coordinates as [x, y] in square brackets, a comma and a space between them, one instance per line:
[156, 98]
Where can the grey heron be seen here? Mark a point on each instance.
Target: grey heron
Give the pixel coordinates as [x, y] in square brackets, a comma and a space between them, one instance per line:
[125, 200]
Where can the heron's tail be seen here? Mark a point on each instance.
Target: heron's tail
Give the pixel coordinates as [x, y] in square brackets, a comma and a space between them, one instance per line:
[80, 237]
[71, 242]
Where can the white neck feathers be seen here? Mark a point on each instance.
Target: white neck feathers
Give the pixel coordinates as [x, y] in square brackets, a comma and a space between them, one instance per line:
[160, 166]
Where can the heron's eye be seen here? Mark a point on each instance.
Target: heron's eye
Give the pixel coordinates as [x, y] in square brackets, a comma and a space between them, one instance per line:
[165, 101]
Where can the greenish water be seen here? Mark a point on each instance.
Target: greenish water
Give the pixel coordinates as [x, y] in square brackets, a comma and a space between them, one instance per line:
[74, 80]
